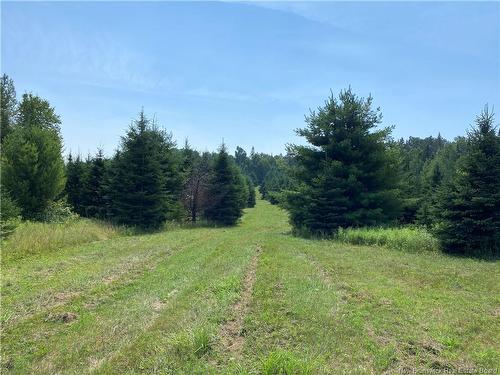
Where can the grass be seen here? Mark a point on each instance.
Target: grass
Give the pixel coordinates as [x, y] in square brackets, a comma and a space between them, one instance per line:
[157, 303]
[32, 238]
[406, 239]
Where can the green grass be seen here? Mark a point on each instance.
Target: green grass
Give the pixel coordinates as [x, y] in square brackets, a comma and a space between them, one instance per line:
[406, 239]
[158, 303]
[32, 238]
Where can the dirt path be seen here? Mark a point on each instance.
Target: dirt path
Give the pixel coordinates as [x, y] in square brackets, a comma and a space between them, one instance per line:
[231, 333]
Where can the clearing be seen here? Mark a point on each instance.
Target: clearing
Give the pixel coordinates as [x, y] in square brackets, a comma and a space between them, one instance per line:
[247, 299]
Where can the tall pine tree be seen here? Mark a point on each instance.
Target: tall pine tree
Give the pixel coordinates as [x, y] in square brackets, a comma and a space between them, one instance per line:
[94, 187]
[76, 180]
[470, 205]
[344, 177]
[144, 185]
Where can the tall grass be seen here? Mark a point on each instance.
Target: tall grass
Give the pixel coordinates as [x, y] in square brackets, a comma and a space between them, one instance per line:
[407, 239]
[38, 237]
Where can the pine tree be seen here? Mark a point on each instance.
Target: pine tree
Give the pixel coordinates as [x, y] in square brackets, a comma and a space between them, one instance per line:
[251, 193]
[470, 205]
[144, 183]
[189, 157]
[35, 111]
[344, 178]
[226, 191]
[241, 159]
[76, 181]
[32, 163]
[94, 187]
[242, 182]
[8, 105]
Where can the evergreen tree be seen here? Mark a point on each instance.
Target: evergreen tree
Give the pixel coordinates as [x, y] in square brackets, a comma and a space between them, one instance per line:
[189, 157]
[8, 105]
[94, 187]
[32, 164]
[35, 111]
[345, 177]
[144, 183]
[251, 193]
[275, 183]
[242, 182]
[226, 191]
[416, 159]
[76, 181]
[470, 205]
[241, 159]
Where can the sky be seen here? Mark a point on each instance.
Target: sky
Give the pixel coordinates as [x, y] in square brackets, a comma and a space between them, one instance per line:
[246, 73]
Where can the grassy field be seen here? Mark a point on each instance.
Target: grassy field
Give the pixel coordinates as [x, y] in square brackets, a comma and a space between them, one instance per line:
[245, 300]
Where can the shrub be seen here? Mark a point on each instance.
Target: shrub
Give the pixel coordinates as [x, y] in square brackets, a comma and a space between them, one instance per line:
[57, 212]
[9, 214]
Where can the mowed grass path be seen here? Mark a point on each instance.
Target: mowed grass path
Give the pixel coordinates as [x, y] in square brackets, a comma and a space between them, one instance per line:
[247, 299]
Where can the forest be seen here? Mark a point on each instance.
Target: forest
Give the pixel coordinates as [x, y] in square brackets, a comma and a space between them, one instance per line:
[350, 174]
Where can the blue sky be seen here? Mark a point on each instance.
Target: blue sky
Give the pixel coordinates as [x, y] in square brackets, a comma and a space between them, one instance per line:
[248, 72]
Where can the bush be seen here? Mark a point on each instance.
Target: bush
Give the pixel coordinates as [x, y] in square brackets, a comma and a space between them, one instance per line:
[36, 238]
[57, 212]
[407, 239]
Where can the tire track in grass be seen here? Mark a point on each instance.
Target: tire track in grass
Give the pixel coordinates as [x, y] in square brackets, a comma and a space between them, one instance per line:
[232, 331]
[101, 284]
[42, 294]
[110, 292]
[190, 310]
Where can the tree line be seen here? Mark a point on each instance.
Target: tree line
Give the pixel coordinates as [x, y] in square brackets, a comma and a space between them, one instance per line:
[145, 183]
[350, 173]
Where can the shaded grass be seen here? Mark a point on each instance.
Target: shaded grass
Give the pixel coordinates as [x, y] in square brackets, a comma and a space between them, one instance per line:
[32, 238]
[406, 239]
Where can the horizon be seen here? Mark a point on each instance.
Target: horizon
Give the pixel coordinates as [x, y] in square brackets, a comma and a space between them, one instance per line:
[249, 72]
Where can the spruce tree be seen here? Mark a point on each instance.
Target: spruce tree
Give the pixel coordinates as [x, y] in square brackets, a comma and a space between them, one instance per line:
[32, 163]
[144, 183]
[251, 193]
[346, 176]
[226, 191]
[470, 205]
[76, 181]
[94, 187]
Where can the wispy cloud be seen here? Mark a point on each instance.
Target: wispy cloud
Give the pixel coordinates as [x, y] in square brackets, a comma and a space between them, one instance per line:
[203, 92]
